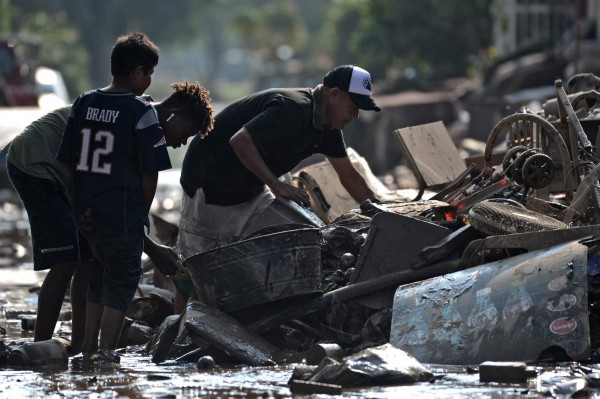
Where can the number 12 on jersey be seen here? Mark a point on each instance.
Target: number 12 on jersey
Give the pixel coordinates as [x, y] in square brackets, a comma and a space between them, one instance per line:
[106, 140]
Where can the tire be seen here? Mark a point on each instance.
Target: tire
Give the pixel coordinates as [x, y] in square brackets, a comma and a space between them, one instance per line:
[509, 159]
[538, 171]
[520, 161]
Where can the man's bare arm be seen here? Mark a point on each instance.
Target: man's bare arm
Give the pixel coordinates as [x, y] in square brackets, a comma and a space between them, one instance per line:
[352, 180]
[246, 151]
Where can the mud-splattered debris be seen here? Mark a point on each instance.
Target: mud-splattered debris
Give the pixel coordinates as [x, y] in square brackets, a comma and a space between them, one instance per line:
[508, 372]
[311, 387]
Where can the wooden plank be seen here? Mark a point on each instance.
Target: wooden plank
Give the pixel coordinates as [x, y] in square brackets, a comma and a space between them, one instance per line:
[431, 152]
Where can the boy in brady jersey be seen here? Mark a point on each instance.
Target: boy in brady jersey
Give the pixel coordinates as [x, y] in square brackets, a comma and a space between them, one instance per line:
[113, 147]
[42, 186]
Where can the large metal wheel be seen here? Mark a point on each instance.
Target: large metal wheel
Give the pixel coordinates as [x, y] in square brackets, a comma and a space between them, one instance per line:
[582, 81]
[531, 131]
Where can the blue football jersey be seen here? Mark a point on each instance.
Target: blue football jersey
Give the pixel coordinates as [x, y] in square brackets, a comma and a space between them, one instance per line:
[110, 141]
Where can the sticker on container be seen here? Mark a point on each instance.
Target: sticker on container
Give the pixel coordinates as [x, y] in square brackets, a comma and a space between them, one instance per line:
[558, 283]
[563, 326]
[566, 301]
[484, 314]
[518, 300]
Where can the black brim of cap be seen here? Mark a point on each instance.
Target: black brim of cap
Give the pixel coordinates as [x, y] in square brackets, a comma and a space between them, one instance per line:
[364, 102]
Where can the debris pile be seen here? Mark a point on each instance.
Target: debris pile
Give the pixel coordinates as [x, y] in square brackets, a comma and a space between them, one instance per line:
[503, 253]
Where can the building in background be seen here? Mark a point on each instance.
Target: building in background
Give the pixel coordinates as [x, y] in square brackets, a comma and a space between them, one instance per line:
[535, 42]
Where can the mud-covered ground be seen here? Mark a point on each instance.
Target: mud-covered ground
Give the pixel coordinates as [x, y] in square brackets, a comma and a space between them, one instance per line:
[138, 377]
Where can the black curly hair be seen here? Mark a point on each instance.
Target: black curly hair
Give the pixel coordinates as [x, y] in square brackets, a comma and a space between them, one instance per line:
[194, 101]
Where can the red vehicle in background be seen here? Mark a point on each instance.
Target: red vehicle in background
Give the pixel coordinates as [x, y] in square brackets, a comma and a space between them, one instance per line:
[18, 61]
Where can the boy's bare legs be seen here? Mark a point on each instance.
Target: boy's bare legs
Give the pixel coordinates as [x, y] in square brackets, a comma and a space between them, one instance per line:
[92, 328]
[104, 321]
[51, 297]
[112, 323]
[78, 305]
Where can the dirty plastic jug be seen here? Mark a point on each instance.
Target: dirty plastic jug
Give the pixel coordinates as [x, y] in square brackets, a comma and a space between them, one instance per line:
[37, 354]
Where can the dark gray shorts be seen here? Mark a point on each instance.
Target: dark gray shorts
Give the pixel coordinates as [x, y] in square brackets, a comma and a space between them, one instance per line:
[115, 273]
[53, 231]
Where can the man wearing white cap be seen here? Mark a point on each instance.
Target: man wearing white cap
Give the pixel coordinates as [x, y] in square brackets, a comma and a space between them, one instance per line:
[231, 175]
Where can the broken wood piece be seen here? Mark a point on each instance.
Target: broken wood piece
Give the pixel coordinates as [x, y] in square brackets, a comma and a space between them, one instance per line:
[507, 372]
[311, 387]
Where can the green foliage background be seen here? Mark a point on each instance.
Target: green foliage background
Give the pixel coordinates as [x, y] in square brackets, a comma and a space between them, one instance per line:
[281, 42]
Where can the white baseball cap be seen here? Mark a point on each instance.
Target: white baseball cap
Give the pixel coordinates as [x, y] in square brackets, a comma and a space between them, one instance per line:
[354, 80]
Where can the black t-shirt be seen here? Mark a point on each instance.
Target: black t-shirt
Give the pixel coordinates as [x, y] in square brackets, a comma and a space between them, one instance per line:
[280, 122]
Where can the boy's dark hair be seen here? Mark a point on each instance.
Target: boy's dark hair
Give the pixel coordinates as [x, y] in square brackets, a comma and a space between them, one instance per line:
[132, 51]
[193, 100]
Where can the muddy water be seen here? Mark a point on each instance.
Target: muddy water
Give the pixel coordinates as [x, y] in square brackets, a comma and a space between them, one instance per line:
[138, 377]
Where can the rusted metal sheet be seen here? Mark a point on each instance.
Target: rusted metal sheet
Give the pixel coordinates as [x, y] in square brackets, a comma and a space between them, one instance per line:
[509, 310]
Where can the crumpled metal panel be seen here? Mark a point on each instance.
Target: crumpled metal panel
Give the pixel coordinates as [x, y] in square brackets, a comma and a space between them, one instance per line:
[227, 334]
[509, 310]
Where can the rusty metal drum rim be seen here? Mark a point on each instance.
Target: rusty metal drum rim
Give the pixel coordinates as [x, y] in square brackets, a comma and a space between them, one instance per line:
[266, 236]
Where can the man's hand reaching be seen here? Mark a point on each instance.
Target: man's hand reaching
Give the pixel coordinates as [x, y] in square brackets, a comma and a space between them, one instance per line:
[284, 190]
[164, 258]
